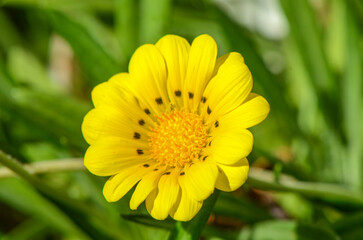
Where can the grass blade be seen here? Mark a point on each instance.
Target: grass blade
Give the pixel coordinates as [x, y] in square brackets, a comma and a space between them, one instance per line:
[352, 103]
[154, 16]
[306, 35]
[126, 30]
[93, 58]
[14, 192]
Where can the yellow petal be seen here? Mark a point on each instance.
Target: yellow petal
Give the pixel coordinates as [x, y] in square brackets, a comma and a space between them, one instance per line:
[253, 111]
[149, 202]
[229, 146]
[118, 185]
[108, 94]
[199, 180]
[108, 156]
[148, 183]
[148, 78]
[175, 50]
[228, 89]
[116, 99]
[105, 121]
[232, 177]
[168, 189]
[201, 63]
[186, 208]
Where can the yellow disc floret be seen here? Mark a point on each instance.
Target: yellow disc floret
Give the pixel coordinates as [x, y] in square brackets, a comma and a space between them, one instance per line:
[178, 139]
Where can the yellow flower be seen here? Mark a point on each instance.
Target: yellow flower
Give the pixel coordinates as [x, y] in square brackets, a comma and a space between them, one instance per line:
[175, 125]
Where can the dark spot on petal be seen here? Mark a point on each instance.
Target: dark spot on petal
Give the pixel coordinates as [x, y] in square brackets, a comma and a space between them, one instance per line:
[204, 158]
[204, 99]
[147, 111]
[182, 173]
[166, 173]
[208, 110]
[177, 93]
[139, 151]
[159, 101]
[155, 169]
[216, 124]
[141, 122]
[137, 135]
[146, 165]
[210, 143]
[191, 95]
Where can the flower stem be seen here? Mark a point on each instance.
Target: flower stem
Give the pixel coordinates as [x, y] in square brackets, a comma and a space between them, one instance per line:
[191, 230]
[71, 164]
[333, 193]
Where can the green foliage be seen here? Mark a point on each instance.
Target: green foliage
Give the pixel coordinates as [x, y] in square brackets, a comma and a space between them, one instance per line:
[307, 163]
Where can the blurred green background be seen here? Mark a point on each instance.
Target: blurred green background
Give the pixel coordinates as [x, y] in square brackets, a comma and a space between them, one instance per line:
[306, 178]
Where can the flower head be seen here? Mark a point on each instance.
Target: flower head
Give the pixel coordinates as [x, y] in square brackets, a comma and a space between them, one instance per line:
[175, 126]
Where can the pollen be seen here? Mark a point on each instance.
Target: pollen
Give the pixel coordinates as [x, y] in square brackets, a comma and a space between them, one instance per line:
[178, 138]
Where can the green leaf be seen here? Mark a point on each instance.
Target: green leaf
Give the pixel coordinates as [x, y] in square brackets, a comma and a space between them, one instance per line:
[306, 35]
[350, 227]
[27, 70]
[10, 35]
[291, 168]
[239, 208]
[101, 33]
[147, 220]
[286, 230]
[90, 218]
[29, 229]
[57, 122]
[22, 196]
[74, 5]
[92, 57]
[289, 201]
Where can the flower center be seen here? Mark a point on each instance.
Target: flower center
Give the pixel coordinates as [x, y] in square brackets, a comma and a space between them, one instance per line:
[178, 139]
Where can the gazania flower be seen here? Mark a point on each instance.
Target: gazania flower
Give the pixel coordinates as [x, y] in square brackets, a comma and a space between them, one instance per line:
[175, 126]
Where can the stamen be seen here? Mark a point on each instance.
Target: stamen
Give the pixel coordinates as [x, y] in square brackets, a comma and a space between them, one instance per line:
[178, 139]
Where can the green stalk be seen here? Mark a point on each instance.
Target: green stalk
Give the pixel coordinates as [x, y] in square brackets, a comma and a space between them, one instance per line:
[191, 230]
[58, 196]
[126, 30]
[50, 166]
[352, 103]
[332, 193]
[154, 16]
